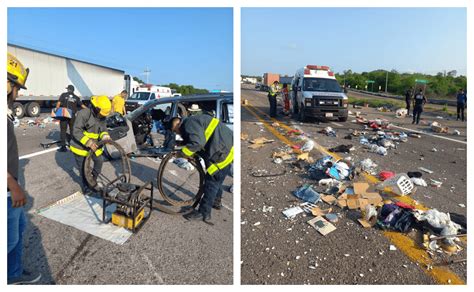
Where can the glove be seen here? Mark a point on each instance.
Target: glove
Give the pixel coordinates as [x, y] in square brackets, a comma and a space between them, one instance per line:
[106, 138]
[91, 143]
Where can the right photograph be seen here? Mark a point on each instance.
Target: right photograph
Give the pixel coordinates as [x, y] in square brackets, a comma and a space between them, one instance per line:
[353, 146]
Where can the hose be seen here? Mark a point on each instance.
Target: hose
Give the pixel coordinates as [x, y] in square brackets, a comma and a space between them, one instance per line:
[187, 203]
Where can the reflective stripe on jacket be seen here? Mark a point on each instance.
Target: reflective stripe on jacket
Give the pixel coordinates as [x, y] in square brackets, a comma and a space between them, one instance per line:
[87, 127]
[212, 140]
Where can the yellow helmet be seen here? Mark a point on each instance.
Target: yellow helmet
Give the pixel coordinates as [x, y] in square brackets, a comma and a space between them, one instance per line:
[102, 103]
[16, 72]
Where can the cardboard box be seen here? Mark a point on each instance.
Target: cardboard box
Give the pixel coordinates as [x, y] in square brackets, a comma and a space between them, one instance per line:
[361, 189]
[357, 203]
[329, 199]
[322, 225]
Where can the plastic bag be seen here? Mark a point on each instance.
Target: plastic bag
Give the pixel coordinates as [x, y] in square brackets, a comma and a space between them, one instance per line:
[308, 146]
[183, 163]
[368, 165]
[419, 181]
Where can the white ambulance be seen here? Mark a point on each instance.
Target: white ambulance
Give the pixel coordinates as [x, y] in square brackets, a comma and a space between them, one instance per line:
[145, 93]
[317, 94]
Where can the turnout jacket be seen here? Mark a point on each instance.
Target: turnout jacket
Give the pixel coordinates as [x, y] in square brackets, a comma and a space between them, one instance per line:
[86, 127]
[210, 139]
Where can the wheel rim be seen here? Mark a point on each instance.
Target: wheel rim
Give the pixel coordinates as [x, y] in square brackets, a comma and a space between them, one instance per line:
[18, 111]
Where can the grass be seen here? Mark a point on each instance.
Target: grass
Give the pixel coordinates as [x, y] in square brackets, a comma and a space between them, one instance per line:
[445, 108]
[376, 102]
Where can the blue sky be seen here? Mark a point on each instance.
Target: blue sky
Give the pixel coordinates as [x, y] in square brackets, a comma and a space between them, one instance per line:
[184, 46]
[426, 40]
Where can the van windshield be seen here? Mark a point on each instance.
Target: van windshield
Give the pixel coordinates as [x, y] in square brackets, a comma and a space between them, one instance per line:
[139, 96]
[321, 84]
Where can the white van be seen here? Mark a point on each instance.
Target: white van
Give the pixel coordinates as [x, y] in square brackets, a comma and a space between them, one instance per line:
[316, 93]
[145, 93]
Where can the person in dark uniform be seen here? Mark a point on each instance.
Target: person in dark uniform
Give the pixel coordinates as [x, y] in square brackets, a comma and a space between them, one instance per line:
[273, 91]
[408, 97]
[213, 142]
[461, 103]
[418, 103]
[72, 102]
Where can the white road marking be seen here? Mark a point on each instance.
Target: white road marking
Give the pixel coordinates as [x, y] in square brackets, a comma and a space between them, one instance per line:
[337, 124]
[226, 207]
[432, 135]
[38, 153]
[426, 133]
[152, 268]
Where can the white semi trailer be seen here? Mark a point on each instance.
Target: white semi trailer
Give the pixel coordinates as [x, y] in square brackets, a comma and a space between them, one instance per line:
[50, 74]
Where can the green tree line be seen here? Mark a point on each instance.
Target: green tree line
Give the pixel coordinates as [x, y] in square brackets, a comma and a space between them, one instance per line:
[183, 89]
[442, 85]
[186, 89]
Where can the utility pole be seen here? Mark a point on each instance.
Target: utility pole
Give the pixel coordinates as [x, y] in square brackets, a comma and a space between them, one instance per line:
[386, 82]
[147, 72]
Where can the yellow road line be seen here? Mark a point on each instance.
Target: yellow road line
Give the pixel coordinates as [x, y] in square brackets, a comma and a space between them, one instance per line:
[408, 246]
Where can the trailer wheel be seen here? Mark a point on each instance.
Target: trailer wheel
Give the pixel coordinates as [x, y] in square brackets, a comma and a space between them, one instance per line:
[33, 109]
[18, 110]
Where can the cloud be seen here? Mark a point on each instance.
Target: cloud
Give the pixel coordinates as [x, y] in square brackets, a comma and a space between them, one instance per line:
[290, 46]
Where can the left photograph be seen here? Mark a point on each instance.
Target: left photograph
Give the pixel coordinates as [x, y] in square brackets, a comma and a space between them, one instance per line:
[120, 146]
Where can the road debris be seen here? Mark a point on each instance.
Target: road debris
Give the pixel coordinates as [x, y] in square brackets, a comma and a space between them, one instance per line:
[437, 128]
[322, 225]
[425, 170]
[307, 194]
[259, 142]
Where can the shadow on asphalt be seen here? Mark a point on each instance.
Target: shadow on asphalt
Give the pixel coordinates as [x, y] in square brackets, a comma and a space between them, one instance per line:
[34, 255]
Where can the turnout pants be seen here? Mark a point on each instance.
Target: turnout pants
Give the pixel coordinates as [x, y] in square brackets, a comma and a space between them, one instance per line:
[98, 161]
[417, 110]
[273, 105]
[63, 127]
[460, 110]
[212, 189]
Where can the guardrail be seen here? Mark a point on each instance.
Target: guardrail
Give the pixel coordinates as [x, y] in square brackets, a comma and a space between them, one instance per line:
[432, 101]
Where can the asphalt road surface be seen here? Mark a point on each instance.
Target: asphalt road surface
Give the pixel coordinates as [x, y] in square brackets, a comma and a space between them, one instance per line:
[276, 250]
[167, 249]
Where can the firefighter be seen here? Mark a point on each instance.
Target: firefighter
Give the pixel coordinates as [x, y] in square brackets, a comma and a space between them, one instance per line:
[212, 141]
[273, 91]
[16, 198]
[118, 103]
[89, 128]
